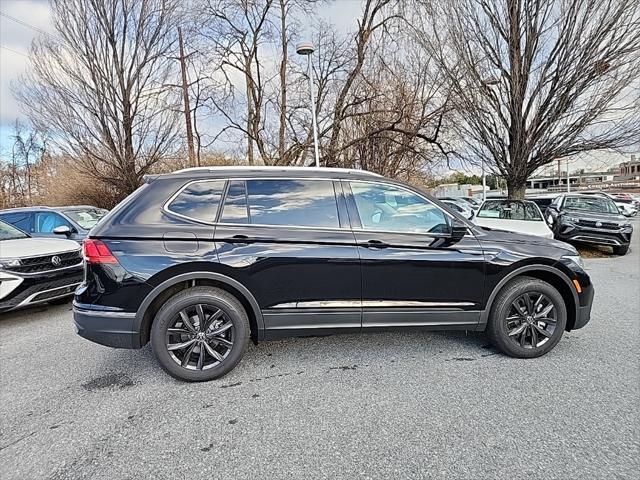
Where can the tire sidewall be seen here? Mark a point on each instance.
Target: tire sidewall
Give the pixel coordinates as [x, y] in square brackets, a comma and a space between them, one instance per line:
[499, 313]
[232, 310]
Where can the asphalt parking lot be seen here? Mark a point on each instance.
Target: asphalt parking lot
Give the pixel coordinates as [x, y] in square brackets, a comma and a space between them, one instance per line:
[400, 405]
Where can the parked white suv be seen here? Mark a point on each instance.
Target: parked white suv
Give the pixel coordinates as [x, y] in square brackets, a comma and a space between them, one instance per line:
[36, 270]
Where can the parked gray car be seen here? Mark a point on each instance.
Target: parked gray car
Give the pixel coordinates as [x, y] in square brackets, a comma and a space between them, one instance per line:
[73, 222]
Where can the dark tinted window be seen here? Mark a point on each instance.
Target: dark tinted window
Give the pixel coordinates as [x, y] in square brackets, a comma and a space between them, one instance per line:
[394, 209]
[235, 204]
[18, 219]
[304, 203]
[199, 200]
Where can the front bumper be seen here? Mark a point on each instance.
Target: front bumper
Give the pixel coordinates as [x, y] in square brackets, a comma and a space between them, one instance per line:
[583, 315]
[574, 233]
[39, 288]
[106, 327]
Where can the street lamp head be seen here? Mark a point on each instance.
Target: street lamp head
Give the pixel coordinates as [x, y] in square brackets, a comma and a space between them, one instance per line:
[304, 48]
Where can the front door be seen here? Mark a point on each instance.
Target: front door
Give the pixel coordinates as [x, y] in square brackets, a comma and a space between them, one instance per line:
[412, 272]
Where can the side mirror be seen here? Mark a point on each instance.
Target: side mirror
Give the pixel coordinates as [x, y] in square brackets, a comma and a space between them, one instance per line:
[458, 230]
[63, 230]
[550, 219]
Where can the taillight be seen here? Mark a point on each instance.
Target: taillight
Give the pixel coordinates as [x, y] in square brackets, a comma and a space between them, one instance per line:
[96, 251]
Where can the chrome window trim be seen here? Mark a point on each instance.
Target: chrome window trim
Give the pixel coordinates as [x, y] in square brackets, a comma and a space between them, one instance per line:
[301, 227]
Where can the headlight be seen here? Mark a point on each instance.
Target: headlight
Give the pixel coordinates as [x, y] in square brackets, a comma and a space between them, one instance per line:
[8, 263]
[577, 259]
[569, 218]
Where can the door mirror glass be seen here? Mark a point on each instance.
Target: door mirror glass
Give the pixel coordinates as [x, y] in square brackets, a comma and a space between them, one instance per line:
[62, 230]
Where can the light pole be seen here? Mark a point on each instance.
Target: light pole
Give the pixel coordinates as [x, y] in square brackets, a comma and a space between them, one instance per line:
[484, 183]
[306, 49]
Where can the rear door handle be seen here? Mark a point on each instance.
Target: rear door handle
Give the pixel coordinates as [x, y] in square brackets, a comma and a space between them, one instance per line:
[375, 244]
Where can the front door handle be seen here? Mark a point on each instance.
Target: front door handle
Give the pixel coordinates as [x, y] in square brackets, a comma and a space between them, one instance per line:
[238, 239]
[375, 244]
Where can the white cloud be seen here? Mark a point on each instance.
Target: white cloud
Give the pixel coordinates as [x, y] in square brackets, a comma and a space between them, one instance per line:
[16, 40]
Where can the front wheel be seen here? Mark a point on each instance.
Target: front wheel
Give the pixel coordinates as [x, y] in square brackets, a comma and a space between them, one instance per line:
[200, 334]
[527, 319]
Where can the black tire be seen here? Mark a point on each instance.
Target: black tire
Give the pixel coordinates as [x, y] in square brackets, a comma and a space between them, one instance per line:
[621, 250]
[522, 345]
[170, 313]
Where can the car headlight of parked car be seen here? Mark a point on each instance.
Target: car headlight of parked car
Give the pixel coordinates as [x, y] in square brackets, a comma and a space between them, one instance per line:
[570, 219]
[9, 263]
[577, 259]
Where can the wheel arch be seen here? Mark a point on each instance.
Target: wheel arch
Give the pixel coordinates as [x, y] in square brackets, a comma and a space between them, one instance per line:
[555, 277]
[163, 291]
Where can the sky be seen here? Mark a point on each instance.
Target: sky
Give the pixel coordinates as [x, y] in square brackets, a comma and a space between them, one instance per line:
[16, 38]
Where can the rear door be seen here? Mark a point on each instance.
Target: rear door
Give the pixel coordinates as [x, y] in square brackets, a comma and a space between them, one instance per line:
[289, 242]
[412, 273]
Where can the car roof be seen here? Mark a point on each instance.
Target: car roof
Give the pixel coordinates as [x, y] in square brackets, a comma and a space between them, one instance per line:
[269, 171]
[44, 207]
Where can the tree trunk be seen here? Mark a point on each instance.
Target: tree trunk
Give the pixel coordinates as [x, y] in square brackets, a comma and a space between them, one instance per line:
[516, 188]
[250, 115]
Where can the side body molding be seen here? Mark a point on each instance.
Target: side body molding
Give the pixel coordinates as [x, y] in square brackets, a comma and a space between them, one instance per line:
[484, 316]
[218, 277]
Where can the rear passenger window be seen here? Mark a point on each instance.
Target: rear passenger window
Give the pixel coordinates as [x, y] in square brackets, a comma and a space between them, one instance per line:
[235, 204]
[303, 203]
[198, 201]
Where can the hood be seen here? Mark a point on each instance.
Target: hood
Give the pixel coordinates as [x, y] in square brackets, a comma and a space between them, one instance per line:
[603, 217]
[33, 247]
[503, 236]
[539, 229]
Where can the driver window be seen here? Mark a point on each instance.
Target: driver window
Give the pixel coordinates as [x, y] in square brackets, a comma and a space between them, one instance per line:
[394, 209]
[47, 221]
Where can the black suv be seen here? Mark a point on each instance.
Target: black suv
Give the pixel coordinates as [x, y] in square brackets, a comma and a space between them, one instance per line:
[199, 261]
[589, 219]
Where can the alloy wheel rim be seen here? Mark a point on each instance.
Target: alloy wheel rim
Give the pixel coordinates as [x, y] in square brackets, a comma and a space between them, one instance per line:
[531, 320]
[200, 337]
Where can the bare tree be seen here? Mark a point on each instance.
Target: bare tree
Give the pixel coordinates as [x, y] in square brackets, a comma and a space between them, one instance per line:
[537, 80]
[98, 86]
[19, 179]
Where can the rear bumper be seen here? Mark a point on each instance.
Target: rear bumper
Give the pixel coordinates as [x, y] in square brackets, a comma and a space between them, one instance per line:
[110, 328]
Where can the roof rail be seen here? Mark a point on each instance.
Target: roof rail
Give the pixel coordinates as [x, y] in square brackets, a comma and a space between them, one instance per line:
[272, 168]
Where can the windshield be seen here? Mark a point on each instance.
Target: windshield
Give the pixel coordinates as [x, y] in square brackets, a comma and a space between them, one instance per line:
[9, 232]
[591, 204]
[507, 210]
[86, 218]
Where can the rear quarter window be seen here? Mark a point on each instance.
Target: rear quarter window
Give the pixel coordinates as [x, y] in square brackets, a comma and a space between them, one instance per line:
[198, 200]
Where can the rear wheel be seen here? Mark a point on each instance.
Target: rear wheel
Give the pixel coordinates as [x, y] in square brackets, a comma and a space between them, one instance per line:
[527, 319]
[200, 334]
[622, 250]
